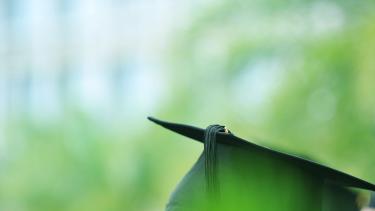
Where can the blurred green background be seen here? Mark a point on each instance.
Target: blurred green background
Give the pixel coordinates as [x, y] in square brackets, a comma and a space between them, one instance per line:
[78, 78]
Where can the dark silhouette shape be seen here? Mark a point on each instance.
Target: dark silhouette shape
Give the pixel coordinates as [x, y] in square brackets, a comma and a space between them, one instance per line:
[235, 174]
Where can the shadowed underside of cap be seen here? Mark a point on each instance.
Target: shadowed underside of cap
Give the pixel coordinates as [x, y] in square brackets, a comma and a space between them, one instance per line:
[261, 185]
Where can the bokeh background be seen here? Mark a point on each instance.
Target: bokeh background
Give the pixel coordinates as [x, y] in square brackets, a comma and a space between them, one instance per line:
[78, 79]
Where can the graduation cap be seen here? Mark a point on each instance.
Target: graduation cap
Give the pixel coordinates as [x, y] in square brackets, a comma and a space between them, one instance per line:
[236, 174]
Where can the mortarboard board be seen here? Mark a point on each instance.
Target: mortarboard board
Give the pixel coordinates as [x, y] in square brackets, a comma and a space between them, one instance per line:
[236, 174]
